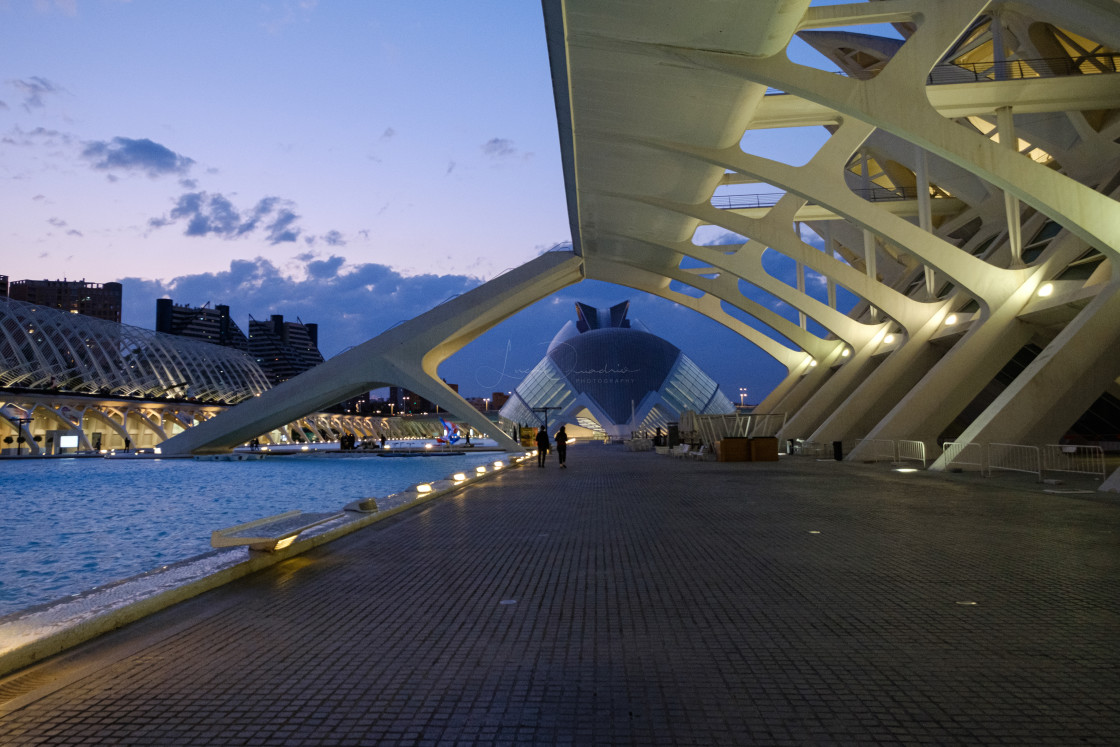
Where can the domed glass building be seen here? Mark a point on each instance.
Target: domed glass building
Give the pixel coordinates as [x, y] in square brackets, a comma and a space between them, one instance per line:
[613, 376]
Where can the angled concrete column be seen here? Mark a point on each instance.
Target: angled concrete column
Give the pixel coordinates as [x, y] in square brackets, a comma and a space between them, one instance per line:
[958, 377]
[407, 355]
[853, 371]
[883, 387]
[1070, 373]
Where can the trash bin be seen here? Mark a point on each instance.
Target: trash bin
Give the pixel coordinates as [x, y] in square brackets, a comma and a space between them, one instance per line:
[838, 450]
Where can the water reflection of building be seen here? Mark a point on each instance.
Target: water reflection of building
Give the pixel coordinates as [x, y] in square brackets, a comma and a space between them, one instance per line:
[611, 375]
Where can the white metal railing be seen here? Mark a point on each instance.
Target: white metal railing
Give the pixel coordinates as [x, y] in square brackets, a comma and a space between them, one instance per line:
[1015, 458]
[1083, 460]
[963, 455]
[877, 450]
[912, 451]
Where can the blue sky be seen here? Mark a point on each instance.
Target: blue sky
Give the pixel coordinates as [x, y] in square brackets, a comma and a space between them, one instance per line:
[349, 163]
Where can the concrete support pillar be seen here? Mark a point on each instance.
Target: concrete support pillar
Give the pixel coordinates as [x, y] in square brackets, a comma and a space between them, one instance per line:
[830, 251]
[1060, 384]
[802, 319]
[1006, 127]
[932, 404]
[854, 369]
[880, 391]
[925, 214]
[869, 259]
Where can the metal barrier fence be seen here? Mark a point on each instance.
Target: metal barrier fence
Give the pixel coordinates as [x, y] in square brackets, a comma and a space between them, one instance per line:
[912, 451]
[962, 456]
[1083, 460]
[1015, 458]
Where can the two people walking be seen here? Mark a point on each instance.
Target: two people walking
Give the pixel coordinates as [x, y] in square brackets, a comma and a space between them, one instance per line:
[561, 446]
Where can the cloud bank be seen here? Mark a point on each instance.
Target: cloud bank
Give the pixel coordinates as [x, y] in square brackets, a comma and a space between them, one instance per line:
[143, 155]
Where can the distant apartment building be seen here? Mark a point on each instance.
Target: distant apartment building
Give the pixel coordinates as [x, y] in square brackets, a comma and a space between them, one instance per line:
[4, 286]
[206, 323]
[101, 300]
[282, 349]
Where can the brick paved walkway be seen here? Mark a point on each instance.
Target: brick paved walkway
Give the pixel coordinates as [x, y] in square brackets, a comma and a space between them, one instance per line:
[639, 599]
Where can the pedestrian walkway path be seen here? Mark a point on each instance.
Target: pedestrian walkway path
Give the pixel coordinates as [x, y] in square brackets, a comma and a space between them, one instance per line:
[637, 599]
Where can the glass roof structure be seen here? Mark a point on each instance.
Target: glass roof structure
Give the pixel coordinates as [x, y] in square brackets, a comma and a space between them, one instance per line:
[50, 350]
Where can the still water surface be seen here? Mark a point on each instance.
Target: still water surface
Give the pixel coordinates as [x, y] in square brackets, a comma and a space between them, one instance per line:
[69, 525]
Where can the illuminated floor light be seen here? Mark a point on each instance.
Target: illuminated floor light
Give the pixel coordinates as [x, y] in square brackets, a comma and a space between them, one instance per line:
[814, 531]
[888, 339]
[1045, 290]
[423, 488]
[905, 469]
[499, 464]
[480, 470]
[950, 320]
[459, 476]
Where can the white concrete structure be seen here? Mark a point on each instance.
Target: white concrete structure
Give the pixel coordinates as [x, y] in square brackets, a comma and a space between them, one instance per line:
[987, 277]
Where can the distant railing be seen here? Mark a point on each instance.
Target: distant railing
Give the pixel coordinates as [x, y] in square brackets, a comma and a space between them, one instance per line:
[770, 199]
[1015, 458]
[1083, 460]
[1044, 67]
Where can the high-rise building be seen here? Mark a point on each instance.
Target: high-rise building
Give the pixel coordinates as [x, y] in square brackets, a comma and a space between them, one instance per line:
[206, 323]
[284, 349]
[101, 300]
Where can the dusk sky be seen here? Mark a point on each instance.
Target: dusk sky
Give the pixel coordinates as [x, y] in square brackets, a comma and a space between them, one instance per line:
[349, 163]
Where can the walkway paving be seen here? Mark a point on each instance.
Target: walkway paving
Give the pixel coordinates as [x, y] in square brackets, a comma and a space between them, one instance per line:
[637, 599]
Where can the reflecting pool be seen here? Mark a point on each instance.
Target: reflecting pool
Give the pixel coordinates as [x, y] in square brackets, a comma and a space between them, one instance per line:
[68, 525]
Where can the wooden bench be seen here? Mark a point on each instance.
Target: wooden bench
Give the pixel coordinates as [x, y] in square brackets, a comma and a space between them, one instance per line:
[271, 533]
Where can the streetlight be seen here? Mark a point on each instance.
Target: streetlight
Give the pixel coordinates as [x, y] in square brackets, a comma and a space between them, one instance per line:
[742, 396]
[486, 404]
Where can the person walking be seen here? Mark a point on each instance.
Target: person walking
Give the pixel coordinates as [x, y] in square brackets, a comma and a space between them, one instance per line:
[542, 446]
[562, 446]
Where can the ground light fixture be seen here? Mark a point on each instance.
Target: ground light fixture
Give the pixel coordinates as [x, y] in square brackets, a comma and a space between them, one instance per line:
[950, 320]
[480, 470]
[459, 476]
[905, 469]
[1045, 290]
[424, 487]
[499, 464]
[888, 339]
[845, 352]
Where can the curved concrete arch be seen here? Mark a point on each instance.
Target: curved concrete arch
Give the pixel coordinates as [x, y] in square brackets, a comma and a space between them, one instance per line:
[895, 100]
[639, 278]
[821, 180]
[407, 355]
